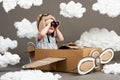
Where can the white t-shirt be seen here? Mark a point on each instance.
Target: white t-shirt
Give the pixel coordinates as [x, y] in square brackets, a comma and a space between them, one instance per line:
[47, 42]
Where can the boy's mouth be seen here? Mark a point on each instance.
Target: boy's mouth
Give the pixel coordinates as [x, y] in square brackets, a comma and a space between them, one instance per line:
[51, 28]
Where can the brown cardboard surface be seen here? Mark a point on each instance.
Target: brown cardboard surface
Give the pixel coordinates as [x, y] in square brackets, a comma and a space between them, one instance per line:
[72, 56]
[43, 62]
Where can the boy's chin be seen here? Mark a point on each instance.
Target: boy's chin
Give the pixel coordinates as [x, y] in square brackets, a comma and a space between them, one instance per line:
[51, 31]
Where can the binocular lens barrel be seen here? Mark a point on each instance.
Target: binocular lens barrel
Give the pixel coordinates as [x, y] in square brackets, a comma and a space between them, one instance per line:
[54, 23]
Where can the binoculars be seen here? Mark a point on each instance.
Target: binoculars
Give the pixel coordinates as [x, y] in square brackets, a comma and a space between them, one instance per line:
[54, 24]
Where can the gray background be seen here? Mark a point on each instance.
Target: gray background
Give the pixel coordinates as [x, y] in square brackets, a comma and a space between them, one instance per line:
[71, 28]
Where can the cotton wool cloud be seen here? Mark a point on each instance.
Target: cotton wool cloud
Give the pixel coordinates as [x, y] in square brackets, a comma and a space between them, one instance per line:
[72, 9]
[6, 43]
[102, 38]
[5, 56]
[8, 5]
[30, 75]
[112, 69]
[1, 1]
[25, 28]
[8, 58]
[109, 7]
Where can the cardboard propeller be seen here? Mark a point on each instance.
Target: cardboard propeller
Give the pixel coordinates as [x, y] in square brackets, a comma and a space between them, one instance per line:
[103, 58]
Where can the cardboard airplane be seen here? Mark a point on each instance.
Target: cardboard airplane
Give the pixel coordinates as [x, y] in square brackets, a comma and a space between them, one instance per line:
[69, 58]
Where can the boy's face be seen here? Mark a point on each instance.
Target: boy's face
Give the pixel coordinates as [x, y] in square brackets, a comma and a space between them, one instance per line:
[48, 22]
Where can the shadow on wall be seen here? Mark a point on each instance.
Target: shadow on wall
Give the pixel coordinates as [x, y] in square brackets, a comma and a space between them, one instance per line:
[116, 57]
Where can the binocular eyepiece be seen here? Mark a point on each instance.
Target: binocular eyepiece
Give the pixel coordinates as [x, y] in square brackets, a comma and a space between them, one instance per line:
[54, 24]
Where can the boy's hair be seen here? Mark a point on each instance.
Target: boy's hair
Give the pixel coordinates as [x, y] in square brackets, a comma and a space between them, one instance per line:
[41, 20]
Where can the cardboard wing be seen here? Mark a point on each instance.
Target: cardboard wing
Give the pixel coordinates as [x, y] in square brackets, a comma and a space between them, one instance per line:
[43, 62]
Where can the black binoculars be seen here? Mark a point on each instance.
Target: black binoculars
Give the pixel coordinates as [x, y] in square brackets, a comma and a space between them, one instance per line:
[54, 24]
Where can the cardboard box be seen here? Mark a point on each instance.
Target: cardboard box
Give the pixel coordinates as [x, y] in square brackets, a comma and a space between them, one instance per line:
[72, 57]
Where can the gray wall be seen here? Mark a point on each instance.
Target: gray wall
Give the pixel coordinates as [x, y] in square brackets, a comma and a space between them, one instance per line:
[71, 28]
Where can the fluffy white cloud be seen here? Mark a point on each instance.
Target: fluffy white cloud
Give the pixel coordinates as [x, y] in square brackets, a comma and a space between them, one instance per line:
[102, 38]
[30, 75]
[1, 1]
[6, 57]
[26, 29]
[37, 2]
[9, 5]
[26, 4]
[112, 68]
[109, 7]
[72, 9]
[7, 43]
